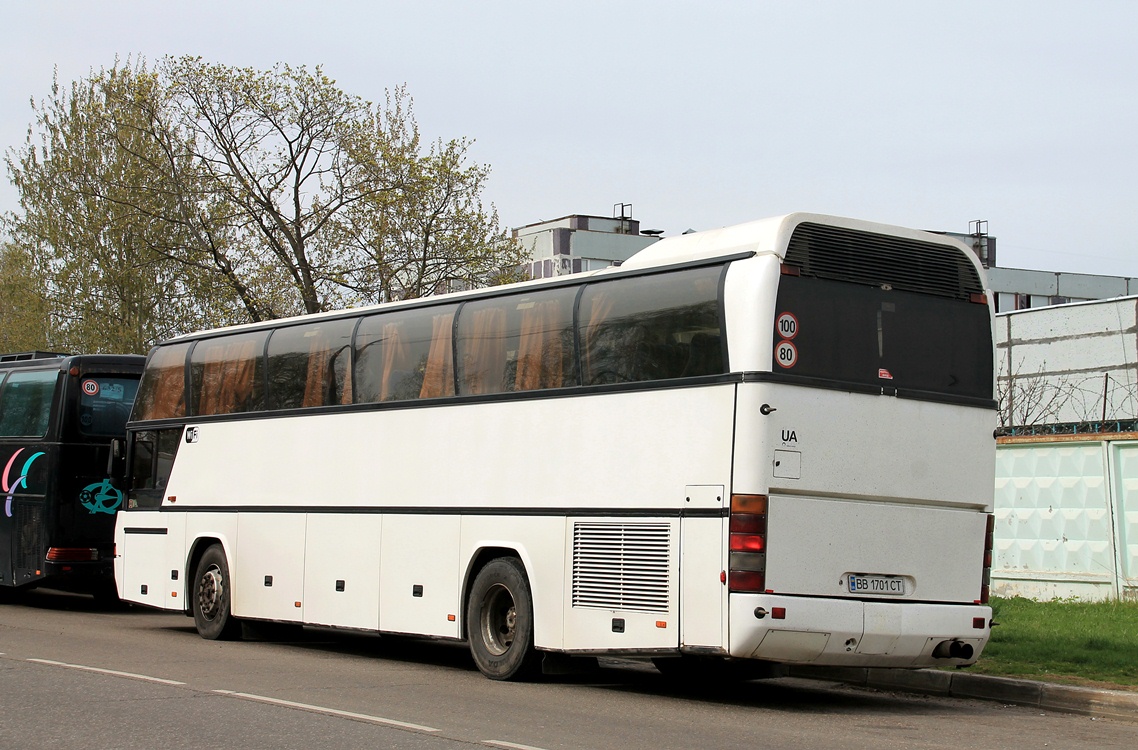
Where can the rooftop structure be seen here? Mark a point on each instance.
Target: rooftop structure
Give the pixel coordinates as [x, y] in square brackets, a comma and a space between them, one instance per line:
[579, 242]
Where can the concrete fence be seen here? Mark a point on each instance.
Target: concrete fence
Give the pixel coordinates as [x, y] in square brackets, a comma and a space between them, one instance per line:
[1066, 511]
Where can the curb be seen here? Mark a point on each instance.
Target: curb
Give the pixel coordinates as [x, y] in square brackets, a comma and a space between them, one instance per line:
[1111, 704]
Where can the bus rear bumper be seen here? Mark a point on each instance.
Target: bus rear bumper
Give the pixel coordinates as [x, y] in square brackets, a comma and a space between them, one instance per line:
[851, 632]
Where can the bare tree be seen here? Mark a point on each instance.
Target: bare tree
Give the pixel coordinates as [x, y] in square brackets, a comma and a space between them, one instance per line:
[1030, 400]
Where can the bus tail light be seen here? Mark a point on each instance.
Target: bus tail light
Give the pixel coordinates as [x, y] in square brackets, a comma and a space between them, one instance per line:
[989, 545]
[72, 554]
[747, 544]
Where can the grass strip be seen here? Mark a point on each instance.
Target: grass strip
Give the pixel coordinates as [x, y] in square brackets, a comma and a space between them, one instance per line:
[1079, 643]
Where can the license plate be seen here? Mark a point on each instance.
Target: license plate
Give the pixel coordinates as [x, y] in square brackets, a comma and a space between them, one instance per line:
[875, 585]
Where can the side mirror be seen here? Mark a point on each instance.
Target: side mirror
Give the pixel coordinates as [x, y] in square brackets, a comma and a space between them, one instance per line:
[116, 459]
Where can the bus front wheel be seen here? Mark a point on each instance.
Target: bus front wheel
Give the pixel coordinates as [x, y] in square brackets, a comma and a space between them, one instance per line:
[211, 597]
[499, 621]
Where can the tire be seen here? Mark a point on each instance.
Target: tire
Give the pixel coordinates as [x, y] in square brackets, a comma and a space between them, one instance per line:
[210, 597]
[499, 621]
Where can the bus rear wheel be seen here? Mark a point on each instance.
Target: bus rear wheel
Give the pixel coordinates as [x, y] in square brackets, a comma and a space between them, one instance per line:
[499, 621]
[210, 597]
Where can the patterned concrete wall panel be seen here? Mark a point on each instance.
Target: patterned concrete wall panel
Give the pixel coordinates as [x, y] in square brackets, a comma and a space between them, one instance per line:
[1053, 518]
[1126, 510]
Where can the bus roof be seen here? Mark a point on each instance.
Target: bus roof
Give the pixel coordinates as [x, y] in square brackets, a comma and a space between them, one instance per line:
[60, 361]
[763, 236]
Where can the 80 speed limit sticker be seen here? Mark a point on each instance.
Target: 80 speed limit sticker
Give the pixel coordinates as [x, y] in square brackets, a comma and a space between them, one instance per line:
[786, 354]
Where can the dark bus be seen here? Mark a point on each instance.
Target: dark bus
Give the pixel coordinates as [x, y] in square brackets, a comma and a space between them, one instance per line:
[59, 414]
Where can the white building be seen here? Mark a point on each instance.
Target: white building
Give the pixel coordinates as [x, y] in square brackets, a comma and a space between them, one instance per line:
[576, 243]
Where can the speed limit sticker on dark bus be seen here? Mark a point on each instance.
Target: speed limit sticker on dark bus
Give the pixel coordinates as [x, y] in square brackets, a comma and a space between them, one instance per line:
[787, 325]
[786, 354]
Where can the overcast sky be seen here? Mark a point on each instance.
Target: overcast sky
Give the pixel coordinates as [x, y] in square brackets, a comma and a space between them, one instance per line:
[702, 114]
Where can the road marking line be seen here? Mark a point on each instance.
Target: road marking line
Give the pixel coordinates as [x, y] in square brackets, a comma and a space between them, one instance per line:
[329, 711]
[512, 745]
[111, 672]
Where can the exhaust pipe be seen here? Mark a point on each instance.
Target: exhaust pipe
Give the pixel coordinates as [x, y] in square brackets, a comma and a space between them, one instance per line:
[953, 650]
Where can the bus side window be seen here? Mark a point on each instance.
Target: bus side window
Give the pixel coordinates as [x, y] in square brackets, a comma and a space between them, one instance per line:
[142, 460]
[310, 365]
[162, 390]
[545, 357]
[404, 354]
[521, 342]
[25, 403]
[481, 348]
[651, 327]
[152, 458]
[226, 374]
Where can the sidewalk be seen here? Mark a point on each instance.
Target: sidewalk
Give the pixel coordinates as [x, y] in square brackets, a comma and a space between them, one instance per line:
[1112, 704]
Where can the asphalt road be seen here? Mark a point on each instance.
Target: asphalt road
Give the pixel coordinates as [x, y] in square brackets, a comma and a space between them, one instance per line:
[72, 676]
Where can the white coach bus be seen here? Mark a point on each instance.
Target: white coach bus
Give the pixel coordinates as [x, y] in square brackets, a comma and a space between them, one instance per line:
[768, 442]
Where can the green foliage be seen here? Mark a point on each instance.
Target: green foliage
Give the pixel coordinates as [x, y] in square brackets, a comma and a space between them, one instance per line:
[194, 195]
[92, 218]
[23, 303]
[1080, 642]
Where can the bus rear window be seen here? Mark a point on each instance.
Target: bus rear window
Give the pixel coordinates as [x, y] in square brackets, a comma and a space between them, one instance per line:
[850, 333]
[104, 404]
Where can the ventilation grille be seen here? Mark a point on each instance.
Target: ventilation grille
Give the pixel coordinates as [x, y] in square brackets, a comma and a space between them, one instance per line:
[877, 259]
[28, 554]
[621, 566]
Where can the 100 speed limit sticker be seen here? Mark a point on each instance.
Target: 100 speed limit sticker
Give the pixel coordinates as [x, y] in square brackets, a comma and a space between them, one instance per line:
[785, 352]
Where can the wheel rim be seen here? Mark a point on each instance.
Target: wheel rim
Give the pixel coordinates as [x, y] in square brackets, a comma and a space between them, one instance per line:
[211, 588]
[499, 619]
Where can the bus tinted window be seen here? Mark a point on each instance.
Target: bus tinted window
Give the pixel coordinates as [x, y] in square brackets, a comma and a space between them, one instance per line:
[104, 404]
[310, 365]
[517, 343]
[25, 403]
[404, 355]
[857, 333]
[226, 374]
[162, 392]
[652, 327]
[151, 463]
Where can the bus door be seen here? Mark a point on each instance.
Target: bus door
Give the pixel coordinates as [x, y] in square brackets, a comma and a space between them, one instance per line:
[703, 596]
[97, 407]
